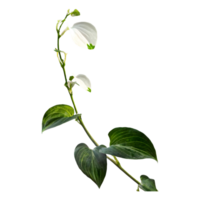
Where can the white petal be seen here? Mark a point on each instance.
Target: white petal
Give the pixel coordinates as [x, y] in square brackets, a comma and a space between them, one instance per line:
[84, 81]
[71, 84]
[84, 33]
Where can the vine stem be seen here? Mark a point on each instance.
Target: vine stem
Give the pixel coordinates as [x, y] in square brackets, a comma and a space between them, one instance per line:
[116, 162]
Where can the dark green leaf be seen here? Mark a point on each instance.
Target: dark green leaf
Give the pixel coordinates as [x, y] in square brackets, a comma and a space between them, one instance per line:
[91, 162]
[129, 143]
[147, 184]
[57, 115]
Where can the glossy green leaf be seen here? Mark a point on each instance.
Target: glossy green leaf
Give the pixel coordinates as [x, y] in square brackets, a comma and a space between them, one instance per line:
[147, 184]
[57, 115]
[91, 162]
[129, 143]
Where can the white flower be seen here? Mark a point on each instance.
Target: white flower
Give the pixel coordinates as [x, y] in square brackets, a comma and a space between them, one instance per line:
[80, 80]
[82, 33]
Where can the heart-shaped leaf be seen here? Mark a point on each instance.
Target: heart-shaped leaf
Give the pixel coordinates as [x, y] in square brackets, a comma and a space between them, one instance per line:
[129, 143]
[91, 162]
[57, 115]
[147, 184]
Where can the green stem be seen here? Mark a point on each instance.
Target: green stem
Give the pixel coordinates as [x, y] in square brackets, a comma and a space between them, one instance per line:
[116, 162]
[80, 122]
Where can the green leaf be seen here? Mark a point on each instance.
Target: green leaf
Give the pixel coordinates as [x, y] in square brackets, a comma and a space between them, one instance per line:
[71, 78]
[129, 143]
[91, 162]
[57, 115]
[147, 184]
[90, 46]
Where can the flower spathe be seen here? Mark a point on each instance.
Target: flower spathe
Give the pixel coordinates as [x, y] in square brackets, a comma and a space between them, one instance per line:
[80, 80]
[82, 33]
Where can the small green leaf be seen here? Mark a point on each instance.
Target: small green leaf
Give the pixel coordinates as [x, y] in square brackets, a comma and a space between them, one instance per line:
[90, 46]
[130, 143]
[147, 184]
[91, 162]
[71, 78]
[57, 115]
